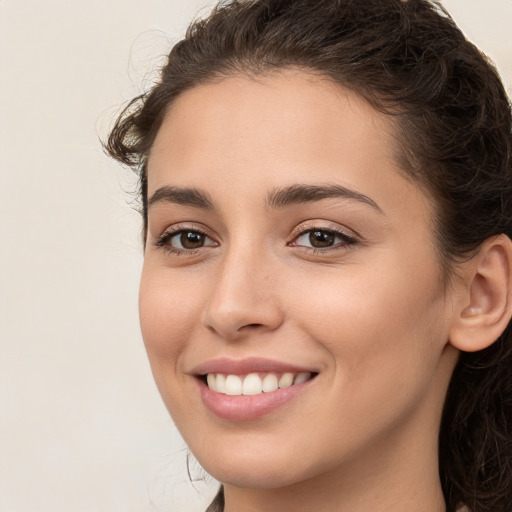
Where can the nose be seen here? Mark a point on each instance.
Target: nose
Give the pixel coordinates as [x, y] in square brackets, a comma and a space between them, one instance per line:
[244, 298]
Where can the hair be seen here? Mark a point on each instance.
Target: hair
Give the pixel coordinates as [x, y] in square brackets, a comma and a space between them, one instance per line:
[453, 120]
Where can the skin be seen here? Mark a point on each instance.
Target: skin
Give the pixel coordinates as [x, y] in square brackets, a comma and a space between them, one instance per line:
[373, 317]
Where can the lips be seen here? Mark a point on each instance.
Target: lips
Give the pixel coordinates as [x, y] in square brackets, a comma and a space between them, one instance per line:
[248, 365]
[247, 389]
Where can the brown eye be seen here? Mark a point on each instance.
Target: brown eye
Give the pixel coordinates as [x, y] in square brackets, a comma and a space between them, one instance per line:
[183, 240]
[319, 239]
[323, 239]
[191, 239]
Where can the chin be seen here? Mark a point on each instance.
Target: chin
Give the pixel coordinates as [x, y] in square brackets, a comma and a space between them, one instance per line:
[254, 477]
[254, 470]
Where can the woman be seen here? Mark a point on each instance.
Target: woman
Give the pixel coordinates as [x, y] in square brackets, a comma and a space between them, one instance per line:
[326, 292]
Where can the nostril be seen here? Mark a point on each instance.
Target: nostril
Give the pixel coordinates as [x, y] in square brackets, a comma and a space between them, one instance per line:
[245, 327]
[251, 326]
[231, 319]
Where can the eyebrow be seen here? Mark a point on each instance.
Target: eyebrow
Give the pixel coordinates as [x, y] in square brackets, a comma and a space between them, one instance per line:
[277, 198]
[297, 194]
[184, 196]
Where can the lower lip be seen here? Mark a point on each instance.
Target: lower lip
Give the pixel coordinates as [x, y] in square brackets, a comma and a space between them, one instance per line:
[248, 407]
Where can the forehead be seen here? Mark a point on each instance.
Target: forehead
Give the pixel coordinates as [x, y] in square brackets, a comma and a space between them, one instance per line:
[289, 116]
[255, 133]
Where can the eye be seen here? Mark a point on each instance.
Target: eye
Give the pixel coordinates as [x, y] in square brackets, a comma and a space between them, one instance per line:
[188, 240]
[184, 240]
[317, 238]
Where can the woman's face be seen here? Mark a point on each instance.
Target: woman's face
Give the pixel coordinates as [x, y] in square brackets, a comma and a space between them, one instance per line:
[283, 239]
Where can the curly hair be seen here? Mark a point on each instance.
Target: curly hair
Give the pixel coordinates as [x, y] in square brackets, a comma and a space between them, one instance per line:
[454, 137]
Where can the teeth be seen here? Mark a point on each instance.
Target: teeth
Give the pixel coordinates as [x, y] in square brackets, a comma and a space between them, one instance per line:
[211, 380]
[220, 383]
[302, 377]
[253, 384]
[286, 380]
[270, 383]
[233, 385]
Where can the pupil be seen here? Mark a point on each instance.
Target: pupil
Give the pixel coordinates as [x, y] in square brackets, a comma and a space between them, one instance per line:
[321, 239]
[191, 240]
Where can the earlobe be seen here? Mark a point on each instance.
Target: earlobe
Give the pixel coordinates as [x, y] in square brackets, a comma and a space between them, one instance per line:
[486, 306]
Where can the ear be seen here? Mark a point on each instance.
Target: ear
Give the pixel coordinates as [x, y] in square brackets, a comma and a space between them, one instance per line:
[485, 306]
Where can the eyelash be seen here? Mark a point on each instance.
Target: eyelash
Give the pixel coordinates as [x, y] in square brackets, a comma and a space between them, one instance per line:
[163, 241]
[346, 240]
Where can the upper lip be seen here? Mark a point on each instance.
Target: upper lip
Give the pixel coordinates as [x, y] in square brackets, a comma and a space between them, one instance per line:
[246, 366]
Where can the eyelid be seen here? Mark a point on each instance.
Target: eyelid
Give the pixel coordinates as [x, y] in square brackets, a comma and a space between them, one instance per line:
[319, 225]
[348, 237]
[162, 240]
[187, 226]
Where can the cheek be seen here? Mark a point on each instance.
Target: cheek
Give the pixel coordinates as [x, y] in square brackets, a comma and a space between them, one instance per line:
[380, 325]
[384, 339]
[168, 315]
[169, 312]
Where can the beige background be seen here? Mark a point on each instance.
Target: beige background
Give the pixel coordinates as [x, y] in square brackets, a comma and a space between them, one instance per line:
[81, 425]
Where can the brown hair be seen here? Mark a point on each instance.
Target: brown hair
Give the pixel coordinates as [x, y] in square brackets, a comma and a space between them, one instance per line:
[454, 134]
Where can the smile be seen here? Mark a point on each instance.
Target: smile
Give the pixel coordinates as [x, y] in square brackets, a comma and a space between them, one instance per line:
[254, 383]
[249, 388]
[239, 406]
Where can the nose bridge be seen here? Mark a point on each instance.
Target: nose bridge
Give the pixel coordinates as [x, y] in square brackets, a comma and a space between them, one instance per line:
[243, 295]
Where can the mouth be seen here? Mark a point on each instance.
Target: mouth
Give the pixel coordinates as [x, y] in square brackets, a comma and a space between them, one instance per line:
[250, 388]
[254, 383]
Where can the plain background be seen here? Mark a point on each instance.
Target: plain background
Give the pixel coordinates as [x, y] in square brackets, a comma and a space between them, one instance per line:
[82, 428]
